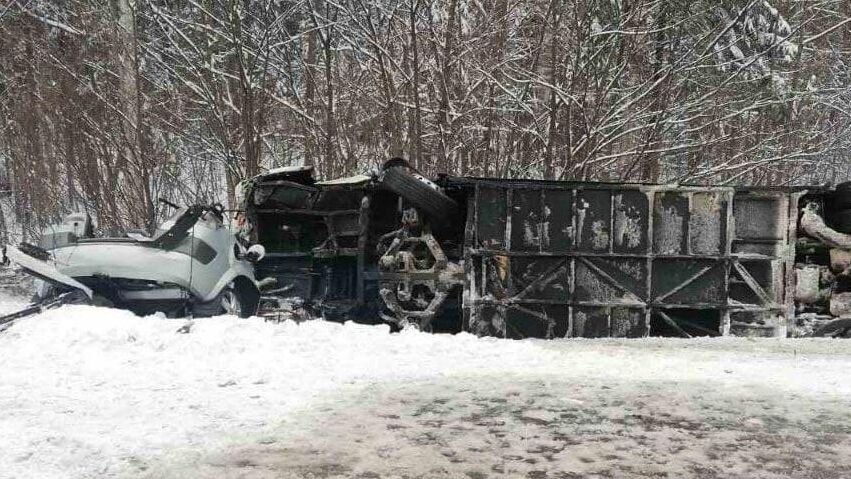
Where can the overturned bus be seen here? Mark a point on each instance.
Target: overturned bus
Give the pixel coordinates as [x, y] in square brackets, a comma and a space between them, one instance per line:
[550, 259]
[499, 257]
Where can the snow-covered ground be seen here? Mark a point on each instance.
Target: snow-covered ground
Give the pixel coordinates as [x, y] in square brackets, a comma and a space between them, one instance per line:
[89, 392]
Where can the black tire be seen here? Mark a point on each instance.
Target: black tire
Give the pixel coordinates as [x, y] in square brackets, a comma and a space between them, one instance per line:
[838, 328]
[842, 196]
[230, 300]
[842, 221]
[434, 204]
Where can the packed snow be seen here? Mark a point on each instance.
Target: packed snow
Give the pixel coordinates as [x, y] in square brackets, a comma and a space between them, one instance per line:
[94, 392]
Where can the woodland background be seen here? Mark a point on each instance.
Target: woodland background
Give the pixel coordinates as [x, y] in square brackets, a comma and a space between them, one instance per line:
[106, 105]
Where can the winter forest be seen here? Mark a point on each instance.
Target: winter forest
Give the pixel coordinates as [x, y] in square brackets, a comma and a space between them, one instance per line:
[107, 105]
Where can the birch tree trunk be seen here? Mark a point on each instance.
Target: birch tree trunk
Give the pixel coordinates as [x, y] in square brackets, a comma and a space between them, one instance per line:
[131, 162]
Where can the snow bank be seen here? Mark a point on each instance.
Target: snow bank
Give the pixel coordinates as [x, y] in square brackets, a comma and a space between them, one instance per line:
[90, 392]
[11, 305]
[85, 390]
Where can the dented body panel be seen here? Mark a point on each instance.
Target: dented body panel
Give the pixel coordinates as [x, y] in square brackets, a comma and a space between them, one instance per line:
[192, 264]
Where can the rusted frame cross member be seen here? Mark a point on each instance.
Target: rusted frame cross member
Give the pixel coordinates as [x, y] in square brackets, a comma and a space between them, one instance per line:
[363, 235]
[752, 283]
[676, 325]
[673, 324]
[542, 316]
[470, 312]
[789, 263]
[544, 279]
[685, 283]
[611, 280]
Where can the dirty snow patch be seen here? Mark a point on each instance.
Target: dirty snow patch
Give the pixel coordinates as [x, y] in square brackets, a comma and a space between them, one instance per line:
[90, 392]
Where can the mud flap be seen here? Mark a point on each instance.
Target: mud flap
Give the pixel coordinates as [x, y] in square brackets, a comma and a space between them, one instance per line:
[45, 271]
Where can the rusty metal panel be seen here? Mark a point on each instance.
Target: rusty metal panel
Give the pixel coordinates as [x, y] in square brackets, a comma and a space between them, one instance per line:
[527, 220]
[487, 319]
[627, 323]
[630, 222]
[593, 219]
[490, 217]
[610, 280]
[540, 278]
[761, 217]
[604, 321]
[591, 322]
[702, 322]
[689, 281]
[757, 287]
[670, 223]
[493, 277]
[772, 249]
[559, 230]
[536, 321]
[707, 222]
[593, 260]
[765, 274]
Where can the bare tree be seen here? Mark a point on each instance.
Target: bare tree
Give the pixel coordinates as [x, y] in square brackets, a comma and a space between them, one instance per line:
[107, 106]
